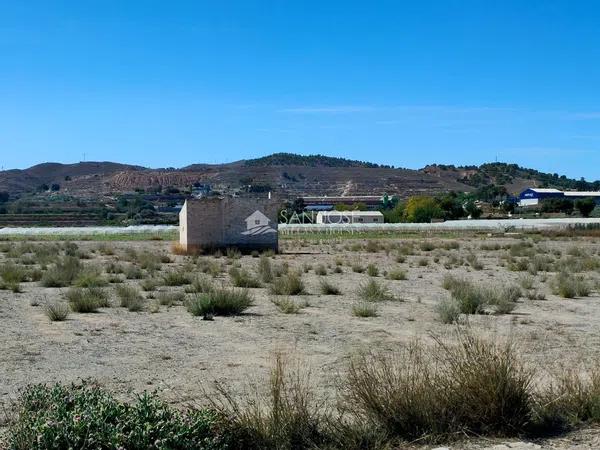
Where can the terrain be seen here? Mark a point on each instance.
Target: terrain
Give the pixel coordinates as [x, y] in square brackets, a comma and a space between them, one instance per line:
[292, 175]
[159, 345]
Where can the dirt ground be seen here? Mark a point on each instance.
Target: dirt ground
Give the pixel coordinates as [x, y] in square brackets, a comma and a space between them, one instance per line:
[181, 355]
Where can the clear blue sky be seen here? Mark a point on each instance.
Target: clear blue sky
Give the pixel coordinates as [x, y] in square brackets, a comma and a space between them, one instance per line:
[169, 83]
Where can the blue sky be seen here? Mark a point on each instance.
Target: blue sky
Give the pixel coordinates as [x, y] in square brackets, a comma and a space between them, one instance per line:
[162, 83]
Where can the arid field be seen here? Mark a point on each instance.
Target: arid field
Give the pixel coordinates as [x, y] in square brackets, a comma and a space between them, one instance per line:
[135, 316]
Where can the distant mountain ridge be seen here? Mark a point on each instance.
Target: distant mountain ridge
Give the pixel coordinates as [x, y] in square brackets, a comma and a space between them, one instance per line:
[289, 173]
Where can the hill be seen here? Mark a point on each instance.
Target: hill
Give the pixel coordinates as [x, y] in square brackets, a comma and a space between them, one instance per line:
[290, 174]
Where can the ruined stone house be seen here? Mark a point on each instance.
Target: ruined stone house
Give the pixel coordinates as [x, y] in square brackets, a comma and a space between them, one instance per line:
[246, 223]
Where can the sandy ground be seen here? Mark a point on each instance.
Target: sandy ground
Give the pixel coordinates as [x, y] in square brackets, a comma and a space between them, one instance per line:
[180, 355]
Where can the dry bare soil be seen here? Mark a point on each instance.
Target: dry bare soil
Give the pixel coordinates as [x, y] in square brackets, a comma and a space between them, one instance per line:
[165, 348]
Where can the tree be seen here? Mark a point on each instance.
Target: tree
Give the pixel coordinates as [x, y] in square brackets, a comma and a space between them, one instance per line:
[451, 205]
[422, 209]
[4, 196]
[42, 188]
[585, 206]
[554, 205]
[473, 210]
[55, 187]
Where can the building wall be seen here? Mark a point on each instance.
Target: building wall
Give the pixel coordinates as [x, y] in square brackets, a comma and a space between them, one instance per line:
[215, 222]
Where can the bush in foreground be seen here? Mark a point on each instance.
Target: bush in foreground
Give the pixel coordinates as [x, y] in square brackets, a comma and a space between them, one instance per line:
[220, 302]
[85, 416]
[426, 393]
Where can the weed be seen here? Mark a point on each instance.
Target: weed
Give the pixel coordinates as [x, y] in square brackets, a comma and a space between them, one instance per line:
[288, 284]
[286, 305]
[56, 311]
[373, 291]
[243, 278]
[364, 309]
[328, 289]
[130, 297]
[220, 301]
[372, 270]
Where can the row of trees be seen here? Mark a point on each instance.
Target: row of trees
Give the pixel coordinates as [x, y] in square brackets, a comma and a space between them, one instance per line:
[425, 209]
[585, 206]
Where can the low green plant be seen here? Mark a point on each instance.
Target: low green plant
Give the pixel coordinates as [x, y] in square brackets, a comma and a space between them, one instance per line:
[374, 291]
[63, 273]
[243, 278]
[328, 288]
[287, 284]
[130, 297]
[177, 278]
[56, 311]
[372, 270]
[87, 300]
[570, 286]
[200, 284]
[448, 311]
[86, 416]
[168, 298]
[220, 302]
[286, 305]
[364, 309]
[265, 270]
[396, 274]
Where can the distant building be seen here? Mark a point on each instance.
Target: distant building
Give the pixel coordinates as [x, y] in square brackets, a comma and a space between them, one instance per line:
[245, 223]
[533, 196]
[339, 217]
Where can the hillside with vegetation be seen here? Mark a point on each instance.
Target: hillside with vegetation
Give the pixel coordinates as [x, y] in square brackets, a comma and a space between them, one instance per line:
[292, 159]
[99, 192]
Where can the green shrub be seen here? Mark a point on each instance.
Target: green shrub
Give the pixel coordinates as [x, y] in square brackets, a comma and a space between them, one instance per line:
[373, 291]
[87, 300]
[63, 273]
[133, 272]
[90, 278]
[372, 270]
[85, 416]
[570, 286]
[397, 274]
[177, 278]
[243, 278]
[200, 284]
[321, 270]
[328, 288]
[286, 305]
[56, 311]
[220, 302]
[130, 298]
[170, 298]
[149, 284]
[264, 269]
[472, 299]
[288, 284]
[364, 309]
[13, 274]
[448, 311]
[476, 387]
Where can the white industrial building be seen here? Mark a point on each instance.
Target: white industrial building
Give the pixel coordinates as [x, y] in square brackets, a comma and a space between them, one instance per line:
[338, 217]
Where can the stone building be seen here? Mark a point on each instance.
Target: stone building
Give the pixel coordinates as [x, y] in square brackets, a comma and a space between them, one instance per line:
[246, 223]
